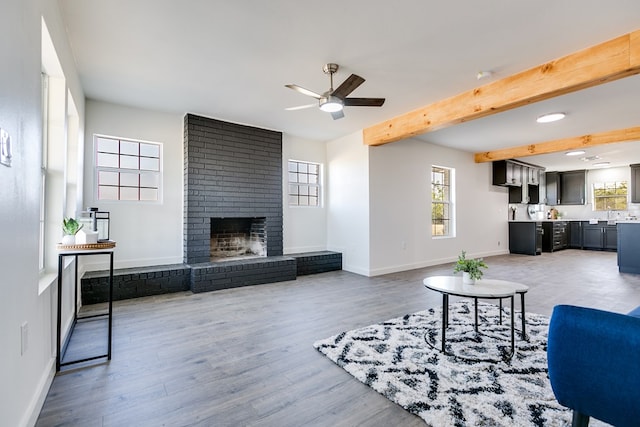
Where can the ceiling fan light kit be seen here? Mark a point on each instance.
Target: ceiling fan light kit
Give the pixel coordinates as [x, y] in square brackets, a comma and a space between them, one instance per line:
[331, 104]
[333, 101]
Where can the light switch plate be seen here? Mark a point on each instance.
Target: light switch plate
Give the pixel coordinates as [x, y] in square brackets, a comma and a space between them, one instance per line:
[5, 148]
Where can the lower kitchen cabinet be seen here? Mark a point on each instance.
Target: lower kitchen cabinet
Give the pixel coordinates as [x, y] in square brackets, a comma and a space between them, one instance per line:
[575, 234]
[629, 248]
[556, 235]
[525, 237]
[600, 236]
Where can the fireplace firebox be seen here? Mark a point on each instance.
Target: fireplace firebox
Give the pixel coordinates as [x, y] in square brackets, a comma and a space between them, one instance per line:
[238, 238]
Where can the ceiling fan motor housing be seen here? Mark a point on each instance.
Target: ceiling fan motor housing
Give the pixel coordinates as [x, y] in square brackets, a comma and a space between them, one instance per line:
[330, 68]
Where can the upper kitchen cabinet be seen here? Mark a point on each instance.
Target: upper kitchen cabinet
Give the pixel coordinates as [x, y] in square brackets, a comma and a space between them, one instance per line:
[506, 172]
[573, 187]
[635, 183]
[522, 179]
[566, 188]
[553, 188]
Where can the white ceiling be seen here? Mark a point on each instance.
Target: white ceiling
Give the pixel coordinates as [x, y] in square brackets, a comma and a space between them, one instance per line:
[231, 59]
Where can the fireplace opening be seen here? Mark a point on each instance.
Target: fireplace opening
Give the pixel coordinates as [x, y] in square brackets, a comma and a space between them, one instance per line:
[238, 238]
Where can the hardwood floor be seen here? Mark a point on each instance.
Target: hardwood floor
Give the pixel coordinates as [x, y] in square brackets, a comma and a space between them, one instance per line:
[244, 357]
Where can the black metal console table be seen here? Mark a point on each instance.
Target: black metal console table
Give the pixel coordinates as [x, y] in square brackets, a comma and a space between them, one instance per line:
[75, 252]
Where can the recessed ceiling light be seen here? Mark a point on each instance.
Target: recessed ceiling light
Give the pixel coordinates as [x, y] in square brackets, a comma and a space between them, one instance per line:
[574, 153]
[551, 117]
[602, 164]
[483, 75]
[589, 158]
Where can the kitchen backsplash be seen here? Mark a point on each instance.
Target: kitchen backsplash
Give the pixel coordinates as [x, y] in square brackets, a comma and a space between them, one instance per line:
[570, 211]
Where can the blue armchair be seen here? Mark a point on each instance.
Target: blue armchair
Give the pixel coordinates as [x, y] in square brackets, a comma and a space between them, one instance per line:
[594, 364]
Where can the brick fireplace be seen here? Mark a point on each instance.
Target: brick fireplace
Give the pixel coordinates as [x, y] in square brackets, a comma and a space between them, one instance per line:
[231, 171]
[233, 205]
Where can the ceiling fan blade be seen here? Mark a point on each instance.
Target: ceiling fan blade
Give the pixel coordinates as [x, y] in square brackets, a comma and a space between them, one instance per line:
[301, 107]
[348, 86]
[337, 115]
[364, 102]
[304, 91]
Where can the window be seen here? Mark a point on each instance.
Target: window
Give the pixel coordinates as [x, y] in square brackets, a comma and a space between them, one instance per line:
[304, 183]
[43, 171]
[610, 196]
[441, 201]
[127, 169]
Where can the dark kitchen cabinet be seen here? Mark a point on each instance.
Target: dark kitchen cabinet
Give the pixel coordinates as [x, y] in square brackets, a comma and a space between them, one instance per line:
[553, 188]
[600, 236]
[525, 237]
[592, 236]
[575, 235]
[573, 186]
[506, 172]
[629, 248]
[610, 238]
[555, 236]
[566, 188]
[635, 183]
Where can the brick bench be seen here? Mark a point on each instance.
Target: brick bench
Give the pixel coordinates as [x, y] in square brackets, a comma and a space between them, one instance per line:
[162, 279]
[317, 262]
[134, 282]
[232, 274]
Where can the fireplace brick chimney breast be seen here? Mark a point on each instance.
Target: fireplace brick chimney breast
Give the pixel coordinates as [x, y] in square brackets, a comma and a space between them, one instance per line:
[230, 170]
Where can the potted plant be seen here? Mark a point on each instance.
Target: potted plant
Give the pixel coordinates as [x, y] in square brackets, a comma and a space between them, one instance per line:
[69, 229]
[471, 268]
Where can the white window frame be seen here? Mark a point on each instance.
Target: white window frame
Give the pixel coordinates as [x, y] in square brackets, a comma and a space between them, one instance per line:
[117, 172]
[298, 183]
[615, 184]
[448, 202]
[43, 173]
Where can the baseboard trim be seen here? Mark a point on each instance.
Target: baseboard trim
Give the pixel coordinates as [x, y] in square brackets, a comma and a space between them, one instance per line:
[37, 402]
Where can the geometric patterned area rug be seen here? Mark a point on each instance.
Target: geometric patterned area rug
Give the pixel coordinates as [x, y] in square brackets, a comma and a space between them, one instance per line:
[474, 384]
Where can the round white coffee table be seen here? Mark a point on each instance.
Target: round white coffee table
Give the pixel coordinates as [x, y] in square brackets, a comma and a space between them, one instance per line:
[486, 289]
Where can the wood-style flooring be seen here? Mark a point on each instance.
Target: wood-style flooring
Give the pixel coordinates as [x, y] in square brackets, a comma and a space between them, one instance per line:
[244, 357]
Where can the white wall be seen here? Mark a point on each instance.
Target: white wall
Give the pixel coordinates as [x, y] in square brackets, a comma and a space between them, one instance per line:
[400, 207]
[304, 228]
[348, 201]
[145, 233]
[25, 378]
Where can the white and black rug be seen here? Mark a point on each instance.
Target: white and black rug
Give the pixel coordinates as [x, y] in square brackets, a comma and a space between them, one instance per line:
[473, 385]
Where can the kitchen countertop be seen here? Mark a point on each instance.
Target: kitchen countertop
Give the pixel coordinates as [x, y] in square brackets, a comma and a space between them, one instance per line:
[626, 221]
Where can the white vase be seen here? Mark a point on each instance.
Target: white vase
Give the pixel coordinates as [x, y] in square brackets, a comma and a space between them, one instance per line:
[69, 239]
[466, 279]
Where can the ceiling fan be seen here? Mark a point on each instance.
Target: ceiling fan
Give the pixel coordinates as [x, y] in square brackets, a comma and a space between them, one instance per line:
[333, 101]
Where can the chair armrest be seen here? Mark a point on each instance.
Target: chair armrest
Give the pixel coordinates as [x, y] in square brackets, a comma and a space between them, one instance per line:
[594, 363]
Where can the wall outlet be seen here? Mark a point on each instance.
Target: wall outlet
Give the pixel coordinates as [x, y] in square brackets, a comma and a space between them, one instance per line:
[5, 148]
[24, 338]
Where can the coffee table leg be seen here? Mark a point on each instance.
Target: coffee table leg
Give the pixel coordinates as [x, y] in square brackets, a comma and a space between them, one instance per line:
[500, 309]
[445, 319]
[524, 323]
[475, 319]
[513, 333]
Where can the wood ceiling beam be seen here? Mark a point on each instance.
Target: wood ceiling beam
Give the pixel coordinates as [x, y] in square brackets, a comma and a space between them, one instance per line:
[602, 63]
[565, 144]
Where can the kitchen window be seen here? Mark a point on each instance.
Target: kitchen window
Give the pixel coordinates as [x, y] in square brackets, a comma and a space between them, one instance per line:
[127, 169]
[610, 196]
[442, 201]
[304, 183]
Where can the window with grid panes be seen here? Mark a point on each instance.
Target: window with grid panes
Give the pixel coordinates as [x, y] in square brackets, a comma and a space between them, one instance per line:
[127, 169]
[610, 196]
[441, 201]
[304, 183]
